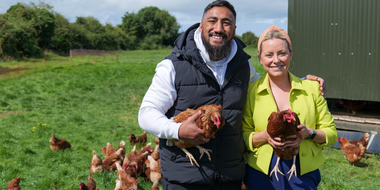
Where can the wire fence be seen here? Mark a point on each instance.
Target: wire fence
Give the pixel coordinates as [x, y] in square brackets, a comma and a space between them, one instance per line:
[81, 52]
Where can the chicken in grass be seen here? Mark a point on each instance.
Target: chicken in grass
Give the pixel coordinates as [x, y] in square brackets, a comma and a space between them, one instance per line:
[137, 159]
[96, 163]
[141, 139]
[154, 171]
[284, 124]
[121, 147]
[131, 170]
[111, 158]
[145, 148]
[14, 184]
[354, 149]
[91, 185]
[210, 121]
[58, 144]
[124, 180]
[156, 153]
[109, 149]
[157, 141]
[156, 156]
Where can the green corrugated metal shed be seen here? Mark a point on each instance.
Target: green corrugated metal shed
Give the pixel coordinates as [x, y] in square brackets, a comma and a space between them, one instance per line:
[338, 40]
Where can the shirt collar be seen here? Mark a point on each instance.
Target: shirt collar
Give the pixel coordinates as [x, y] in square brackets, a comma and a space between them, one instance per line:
[295, 81]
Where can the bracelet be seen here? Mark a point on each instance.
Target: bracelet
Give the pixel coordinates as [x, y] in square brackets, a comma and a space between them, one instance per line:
[312, 135]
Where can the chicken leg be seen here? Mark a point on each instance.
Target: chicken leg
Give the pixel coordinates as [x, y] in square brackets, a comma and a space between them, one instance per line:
[276, 169]
[293, 168]
[203, 150]
[190, 156]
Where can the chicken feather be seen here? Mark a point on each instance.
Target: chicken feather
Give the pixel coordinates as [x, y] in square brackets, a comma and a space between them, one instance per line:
[354, 149]
[284, 124]
[14, 184]
[58, 144]
[210, 121]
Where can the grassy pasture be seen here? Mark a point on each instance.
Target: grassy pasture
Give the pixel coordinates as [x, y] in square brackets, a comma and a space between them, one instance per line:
[92, 100]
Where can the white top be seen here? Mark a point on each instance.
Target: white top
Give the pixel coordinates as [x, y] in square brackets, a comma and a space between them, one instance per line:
[161, 94]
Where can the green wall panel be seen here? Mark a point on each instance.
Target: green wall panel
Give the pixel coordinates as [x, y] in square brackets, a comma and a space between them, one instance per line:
[338, 40]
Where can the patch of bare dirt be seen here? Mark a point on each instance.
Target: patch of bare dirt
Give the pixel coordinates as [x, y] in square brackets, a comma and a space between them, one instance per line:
[5, 70]
[9, 113]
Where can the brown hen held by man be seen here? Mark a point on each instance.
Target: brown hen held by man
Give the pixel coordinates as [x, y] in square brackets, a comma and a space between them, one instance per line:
[210, 121]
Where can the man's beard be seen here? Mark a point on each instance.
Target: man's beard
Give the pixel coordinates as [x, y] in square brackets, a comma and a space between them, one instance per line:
[217, 53]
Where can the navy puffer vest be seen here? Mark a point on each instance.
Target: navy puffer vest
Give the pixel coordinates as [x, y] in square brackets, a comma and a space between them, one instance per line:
[197, 86]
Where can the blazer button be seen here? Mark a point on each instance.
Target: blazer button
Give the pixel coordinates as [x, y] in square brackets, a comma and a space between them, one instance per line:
[303, 154]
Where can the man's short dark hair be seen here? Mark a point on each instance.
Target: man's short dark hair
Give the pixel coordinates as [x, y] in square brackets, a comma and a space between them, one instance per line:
[220, 3]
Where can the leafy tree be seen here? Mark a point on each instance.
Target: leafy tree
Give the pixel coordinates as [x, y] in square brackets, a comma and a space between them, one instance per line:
[151, 42]
[152, 26]
[44, 23]
[62, 40]
[130, 24]
[80, 37]
[17, 37]
[92, 30]
[21, 11]
[40, 17]
[250, 39]
[115, 39]
[91, 24]
[154, 21]
[28, 29]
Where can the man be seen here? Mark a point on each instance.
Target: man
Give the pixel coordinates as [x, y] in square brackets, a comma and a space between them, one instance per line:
[207, 66]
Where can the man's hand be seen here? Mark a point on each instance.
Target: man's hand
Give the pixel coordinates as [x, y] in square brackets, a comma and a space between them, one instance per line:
[322, 85]
[190, 133]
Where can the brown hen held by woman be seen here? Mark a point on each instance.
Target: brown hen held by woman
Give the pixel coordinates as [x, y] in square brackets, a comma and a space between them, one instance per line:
[283, 125]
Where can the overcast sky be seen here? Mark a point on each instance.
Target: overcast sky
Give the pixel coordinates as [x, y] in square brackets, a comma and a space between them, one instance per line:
[252, 15]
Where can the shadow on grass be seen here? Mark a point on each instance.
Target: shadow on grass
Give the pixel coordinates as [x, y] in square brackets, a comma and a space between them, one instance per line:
[360, 164]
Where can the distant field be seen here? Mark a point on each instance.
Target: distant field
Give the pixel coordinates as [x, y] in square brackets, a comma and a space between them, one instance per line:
[92, 100]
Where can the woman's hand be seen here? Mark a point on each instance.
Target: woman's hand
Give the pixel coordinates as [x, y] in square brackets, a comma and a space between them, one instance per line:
[305, 131]
[290, 141]
[295, 140]
[276, 142]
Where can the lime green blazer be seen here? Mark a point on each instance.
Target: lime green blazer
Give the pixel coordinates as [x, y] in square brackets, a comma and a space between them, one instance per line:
[305, 100]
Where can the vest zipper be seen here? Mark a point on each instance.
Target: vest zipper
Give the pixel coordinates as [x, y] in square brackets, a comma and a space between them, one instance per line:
[226, 82]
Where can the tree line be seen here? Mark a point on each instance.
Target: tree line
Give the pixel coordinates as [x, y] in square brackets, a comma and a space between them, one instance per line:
[29, 30]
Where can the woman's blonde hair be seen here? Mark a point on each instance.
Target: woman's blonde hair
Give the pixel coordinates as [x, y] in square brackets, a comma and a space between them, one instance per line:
[271, 35]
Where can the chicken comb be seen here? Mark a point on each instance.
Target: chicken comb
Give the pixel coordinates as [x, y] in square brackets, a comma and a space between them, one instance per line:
[290, 112]
[217, 122]
[289, 117]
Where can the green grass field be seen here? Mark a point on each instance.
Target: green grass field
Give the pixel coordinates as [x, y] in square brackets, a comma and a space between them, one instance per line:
[92, 100]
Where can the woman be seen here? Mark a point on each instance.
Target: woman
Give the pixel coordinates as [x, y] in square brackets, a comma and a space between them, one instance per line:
[280, 90]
